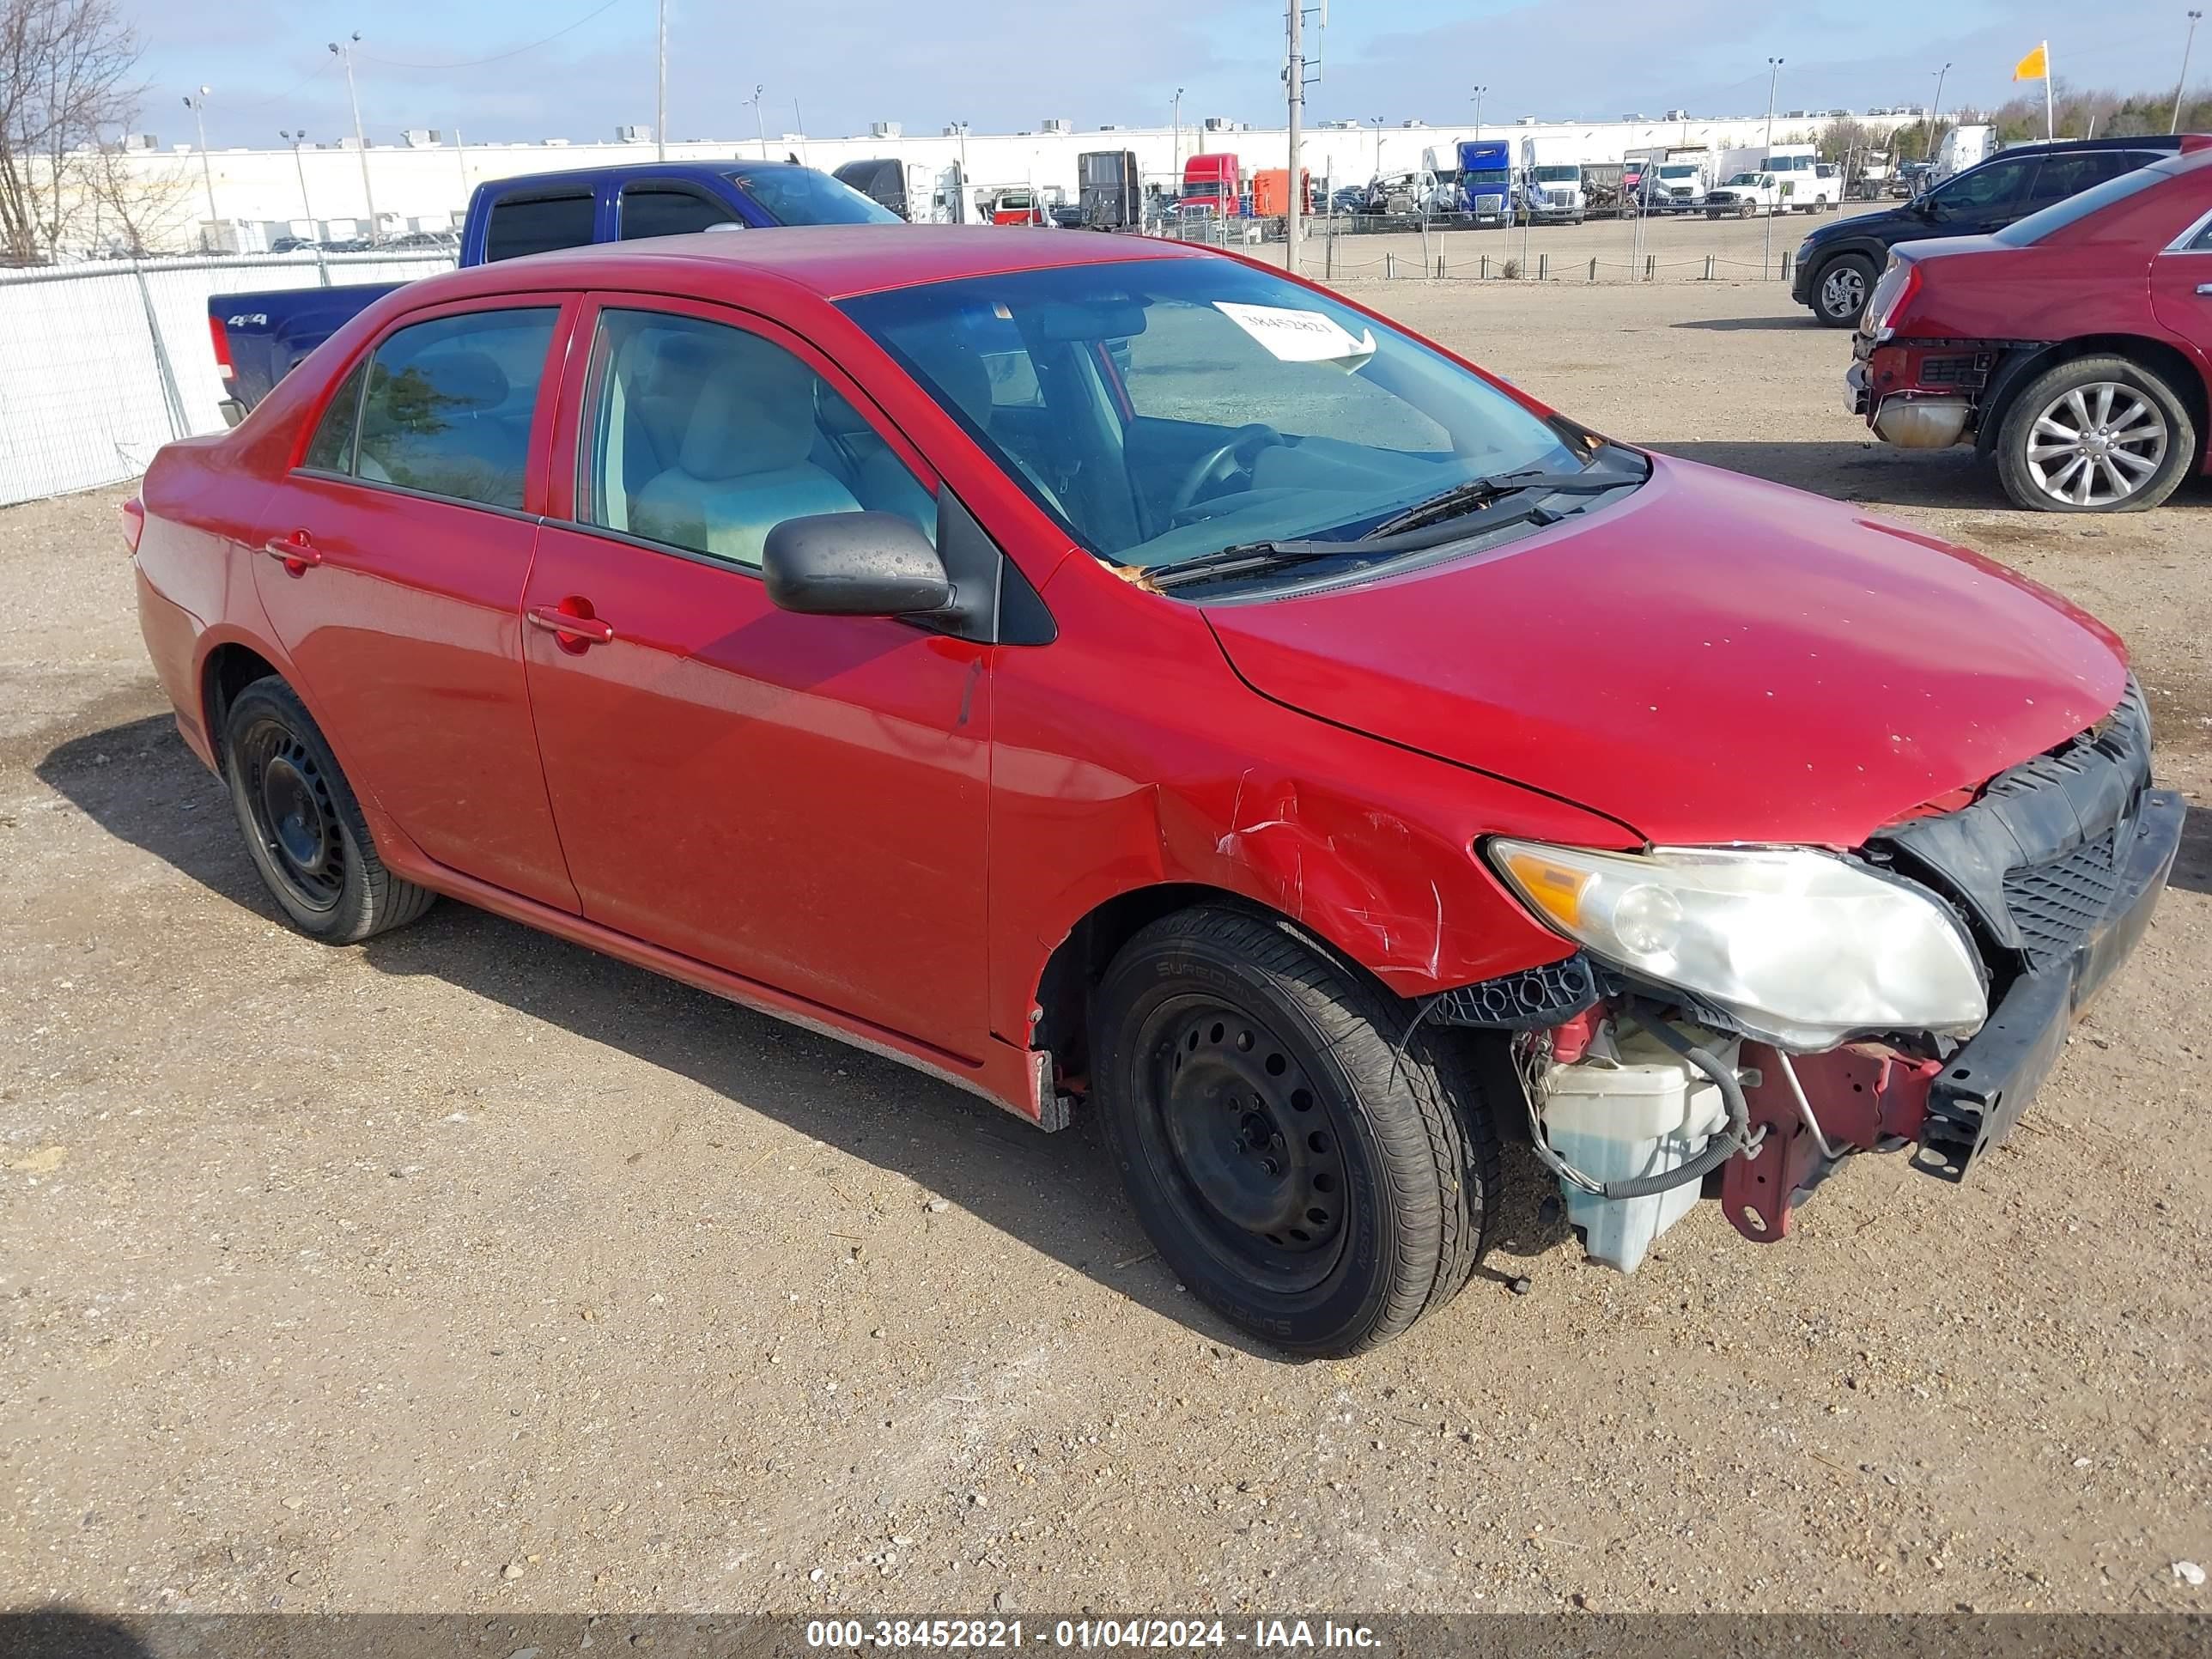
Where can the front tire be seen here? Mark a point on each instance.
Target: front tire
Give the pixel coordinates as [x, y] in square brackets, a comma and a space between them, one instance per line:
[2098, 435]
[1316, 1177]
[1840, 290]
[303, 826]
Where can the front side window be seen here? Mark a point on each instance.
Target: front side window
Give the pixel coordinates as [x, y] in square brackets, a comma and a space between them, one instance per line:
[1165, 408]
[669, 211]
[800, 195]
[523, 225]
[1993, 185]
[449, 403]
[705, 437]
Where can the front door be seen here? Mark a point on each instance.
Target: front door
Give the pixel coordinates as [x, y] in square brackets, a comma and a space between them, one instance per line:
[801, 800]
[400, 546]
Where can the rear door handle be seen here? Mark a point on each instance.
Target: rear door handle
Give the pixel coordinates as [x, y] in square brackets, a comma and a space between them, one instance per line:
[297, 551]
[2204, 290]
[588, 630]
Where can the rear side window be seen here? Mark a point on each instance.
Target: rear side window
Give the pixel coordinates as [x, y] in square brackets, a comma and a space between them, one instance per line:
[449, 403]
[333, 449]
[669, 211]
[2025, 233]
[538, 224]
[2065, 175]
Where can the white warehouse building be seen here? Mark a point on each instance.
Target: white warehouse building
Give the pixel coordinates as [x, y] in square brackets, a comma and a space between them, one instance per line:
[423, 183]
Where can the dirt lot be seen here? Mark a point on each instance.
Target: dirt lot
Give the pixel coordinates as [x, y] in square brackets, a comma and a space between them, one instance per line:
[467, 1270]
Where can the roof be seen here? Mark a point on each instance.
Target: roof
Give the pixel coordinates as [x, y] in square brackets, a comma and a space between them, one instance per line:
[832, 261]
[2177, 141]
[720, 168]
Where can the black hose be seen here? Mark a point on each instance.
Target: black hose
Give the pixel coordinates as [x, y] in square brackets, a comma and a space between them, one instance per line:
[1719, 1148]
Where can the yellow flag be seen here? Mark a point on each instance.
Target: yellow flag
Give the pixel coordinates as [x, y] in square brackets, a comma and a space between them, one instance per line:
[2036, 66]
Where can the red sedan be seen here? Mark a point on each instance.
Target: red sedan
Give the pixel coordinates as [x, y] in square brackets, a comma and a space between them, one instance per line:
[1101, 671]
[2073, 347]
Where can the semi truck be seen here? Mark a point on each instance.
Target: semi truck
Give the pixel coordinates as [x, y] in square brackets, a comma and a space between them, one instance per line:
[1552, 182]
[1485, 179]
[1212, 183]
[1108, 189]
[1271, 192]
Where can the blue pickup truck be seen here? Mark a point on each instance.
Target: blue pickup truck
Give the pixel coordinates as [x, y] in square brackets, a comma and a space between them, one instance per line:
[259, 338]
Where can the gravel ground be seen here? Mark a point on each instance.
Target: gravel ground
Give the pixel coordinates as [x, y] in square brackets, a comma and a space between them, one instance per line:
[468, 1270]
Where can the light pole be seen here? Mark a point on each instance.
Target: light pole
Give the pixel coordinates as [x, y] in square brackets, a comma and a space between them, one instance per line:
[1773, 79]
[343, 53]
[661, 90]
[1294, 77]
[296, 139]
[198, 107]
[759, 130]
[1478, 91]
[2174, 125]
[1935, 110]
[1176, 165]
[1378, 144]
[960, 199]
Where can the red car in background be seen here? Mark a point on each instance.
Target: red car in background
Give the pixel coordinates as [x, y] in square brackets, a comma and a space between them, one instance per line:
[2071, 347]
[1100, 671]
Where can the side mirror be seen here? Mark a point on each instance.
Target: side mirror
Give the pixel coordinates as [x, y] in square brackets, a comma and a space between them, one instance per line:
[854, 564]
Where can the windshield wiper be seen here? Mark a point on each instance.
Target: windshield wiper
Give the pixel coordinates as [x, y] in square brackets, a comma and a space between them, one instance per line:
[1466, 497]
[1247, 558]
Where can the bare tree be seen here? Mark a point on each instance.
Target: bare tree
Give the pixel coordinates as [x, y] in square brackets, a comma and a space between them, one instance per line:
[133, 207]
[65, 70]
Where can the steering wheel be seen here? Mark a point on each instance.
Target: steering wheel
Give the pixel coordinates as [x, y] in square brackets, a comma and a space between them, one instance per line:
[1242, 450]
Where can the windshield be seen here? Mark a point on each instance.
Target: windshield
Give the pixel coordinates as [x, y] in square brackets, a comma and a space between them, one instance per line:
[1688, 171]
[2025, 233]
[800, 195]
[1554, 175]
[1485, 176]
[1163, 409]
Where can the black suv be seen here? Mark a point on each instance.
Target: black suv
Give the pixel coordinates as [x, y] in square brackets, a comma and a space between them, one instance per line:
[1837, 263]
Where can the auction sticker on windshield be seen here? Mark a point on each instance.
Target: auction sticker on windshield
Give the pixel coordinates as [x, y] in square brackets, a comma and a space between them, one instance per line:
[1300, 337]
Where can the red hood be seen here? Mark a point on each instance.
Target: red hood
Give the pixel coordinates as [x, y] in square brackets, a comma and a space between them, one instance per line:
[1711, 659]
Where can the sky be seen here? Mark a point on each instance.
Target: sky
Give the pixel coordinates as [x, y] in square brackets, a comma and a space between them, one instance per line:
[487, 67]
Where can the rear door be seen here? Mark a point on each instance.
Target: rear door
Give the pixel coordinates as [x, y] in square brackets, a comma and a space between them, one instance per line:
[528, 219]
[798, 799]
[398, 547]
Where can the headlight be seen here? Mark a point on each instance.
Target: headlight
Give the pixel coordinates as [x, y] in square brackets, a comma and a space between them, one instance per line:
[1804, 949]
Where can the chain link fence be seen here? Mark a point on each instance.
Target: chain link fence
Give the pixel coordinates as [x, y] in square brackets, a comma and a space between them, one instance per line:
[102, 364]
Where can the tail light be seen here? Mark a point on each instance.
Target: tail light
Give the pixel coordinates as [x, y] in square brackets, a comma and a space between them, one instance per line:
[220, 337]
[134, 522]
[1892, 296]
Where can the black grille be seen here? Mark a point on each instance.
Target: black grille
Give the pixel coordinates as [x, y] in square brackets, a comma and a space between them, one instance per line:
[2032, 862]
[1534, 999]
[2055, 903]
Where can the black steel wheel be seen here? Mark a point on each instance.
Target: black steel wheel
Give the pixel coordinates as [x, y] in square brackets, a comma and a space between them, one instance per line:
[303, 826]
[291, 814]
[1308, 1169]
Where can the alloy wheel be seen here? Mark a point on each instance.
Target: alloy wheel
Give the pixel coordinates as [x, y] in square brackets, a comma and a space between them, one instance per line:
[2096, 445]
[1843, 291]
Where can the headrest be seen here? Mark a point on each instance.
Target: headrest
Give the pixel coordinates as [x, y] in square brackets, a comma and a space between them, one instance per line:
[754, 414]
[464, 380]
[962, 375]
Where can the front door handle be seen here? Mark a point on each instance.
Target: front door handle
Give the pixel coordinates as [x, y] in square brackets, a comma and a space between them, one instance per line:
[574, 632]
[297, 551]
[2204, 291]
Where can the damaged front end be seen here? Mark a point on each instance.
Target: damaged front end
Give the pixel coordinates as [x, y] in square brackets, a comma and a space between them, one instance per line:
[1736, 1020]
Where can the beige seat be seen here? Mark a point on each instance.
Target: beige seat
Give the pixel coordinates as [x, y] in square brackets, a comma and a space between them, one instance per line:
[742, 468]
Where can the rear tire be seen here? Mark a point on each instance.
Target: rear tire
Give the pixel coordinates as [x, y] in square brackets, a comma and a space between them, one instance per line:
[304, 829]
[1840, 290]
[1309, 1173]
[2128, 416]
